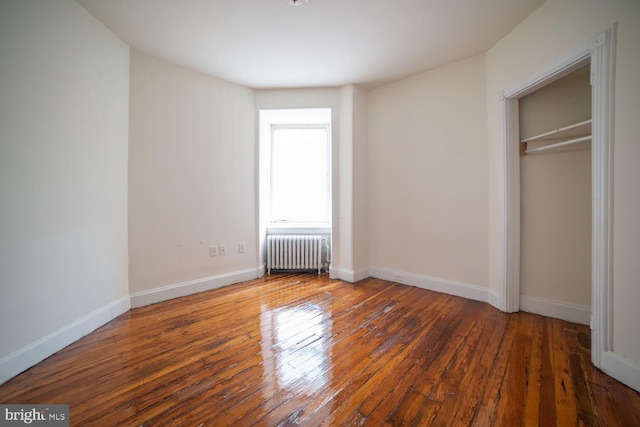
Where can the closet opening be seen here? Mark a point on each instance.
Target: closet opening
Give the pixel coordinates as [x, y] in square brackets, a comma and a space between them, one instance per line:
[555, 198]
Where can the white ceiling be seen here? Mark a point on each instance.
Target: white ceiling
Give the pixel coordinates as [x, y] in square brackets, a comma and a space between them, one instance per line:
[271, 44]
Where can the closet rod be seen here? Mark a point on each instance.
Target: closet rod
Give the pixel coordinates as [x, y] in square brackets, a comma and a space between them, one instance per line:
[542, 135]
[558, 144]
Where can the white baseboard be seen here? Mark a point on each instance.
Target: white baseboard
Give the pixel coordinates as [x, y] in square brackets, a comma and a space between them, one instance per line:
[557, 309]
[348, 275]
[451, 287]
[261, 270]
[495, 299]
[28, 356]
[361, 274]
[546, 307]
[621, 369]
[152, 296]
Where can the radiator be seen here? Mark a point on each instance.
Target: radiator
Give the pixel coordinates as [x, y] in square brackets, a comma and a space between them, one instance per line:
[294, 252]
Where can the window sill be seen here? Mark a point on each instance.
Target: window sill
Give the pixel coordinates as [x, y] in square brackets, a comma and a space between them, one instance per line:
[299, 229]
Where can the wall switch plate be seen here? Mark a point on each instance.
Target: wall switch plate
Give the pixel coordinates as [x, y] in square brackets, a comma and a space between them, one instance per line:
[222, 250]
[213, 251]
[241, 248]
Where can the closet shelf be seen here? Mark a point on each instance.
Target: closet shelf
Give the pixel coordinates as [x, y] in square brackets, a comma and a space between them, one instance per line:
[577, 132]
[558, 144]
[584, 126]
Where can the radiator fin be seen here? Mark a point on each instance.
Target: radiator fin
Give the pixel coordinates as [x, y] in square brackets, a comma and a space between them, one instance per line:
[294, 252]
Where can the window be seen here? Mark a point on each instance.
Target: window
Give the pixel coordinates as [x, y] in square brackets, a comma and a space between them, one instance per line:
[299, 174]
[295, 169]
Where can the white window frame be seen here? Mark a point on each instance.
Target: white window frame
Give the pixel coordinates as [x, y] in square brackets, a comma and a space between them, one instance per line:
[327, 214]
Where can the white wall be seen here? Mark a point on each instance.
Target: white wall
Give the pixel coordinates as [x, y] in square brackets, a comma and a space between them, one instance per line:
[342, 261]
[428, 174]
[192, 180]
[552, 30]
[361, 242]
[63, 178]
[351, 261]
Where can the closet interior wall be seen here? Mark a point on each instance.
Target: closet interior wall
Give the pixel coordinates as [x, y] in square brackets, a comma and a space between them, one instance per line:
[555, 193]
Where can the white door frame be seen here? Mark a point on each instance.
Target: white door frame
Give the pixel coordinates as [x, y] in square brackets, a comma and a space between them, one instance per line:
[599, 53]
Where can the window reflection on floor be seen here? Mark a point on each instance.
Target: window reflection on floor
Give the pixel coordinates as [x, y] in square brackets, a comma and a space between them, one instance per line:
[296, 347]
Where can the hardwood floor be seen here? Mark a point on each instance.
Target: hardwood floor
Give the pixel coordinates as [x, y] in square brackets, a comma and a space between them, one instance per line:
[293, 350]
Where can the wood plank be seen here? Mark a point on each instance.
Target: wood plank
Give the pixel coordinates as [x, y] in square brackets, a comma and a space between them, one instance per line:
[491, 395]
[382, 400]
[464, 400]
[582, 388]
[532, 401]
[547, 405]
[297, 349]
[510, 409]
[565, 401]
[410, 408]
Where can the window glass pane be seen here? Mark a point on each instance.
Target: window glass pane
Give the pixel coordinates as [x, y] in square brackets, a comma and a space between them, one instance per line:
[299, 175]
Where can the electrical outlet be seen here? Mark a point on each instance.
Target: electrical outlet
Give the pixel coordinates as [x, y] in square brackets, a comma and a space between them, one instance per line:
[222, 250]
[240, 248]
[213, 251]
